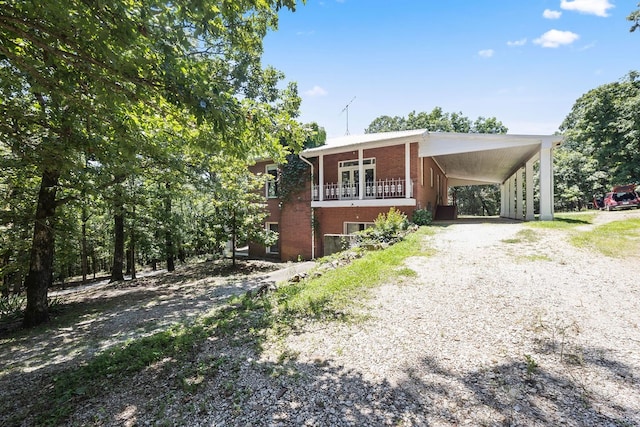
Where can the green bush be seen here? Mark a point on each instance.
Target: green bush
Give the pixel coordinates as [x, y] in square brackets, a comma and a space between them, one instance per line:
[386, 228]
[422, 217]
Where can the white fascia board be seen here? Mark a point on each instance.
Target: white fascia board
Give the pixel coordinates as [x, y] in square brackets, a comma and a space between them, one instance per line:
[367, 141]
[365, 203]
[443, 143]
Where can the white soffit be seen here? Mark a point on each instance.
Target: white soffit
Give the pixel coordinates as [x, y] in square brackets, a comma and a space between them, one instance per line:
[475, 159]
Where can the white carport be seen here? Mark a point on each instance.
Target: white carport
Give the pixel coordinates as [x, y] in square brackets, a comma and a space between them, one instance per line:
[508, 160]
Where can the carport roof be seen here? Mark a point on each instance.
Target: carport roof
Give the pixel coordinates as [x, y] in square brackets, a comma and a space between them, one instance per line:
[465, 158]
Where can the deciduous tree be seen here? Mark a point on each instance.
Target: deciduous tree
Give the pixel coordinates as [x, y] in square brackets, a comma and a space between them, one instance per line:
[80, 78]
[604, 128]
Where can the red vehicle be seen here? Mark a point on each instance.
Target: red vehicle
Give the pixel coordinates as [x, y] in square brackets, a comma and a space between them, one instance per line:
[622, 197]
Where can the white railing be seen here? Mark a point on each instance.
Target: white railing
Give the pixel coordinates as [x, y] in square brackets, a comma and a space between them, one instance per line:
[393, 188]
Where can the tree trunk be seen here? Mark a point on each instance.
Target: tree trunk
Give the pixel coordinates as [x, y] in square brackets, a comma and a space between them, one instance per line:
[127, 257]
[118, 249]
[6, 278]
[85, 255]
[233, 241]
[94, 262]
[40, 273]
[168, 234]
[132, 244]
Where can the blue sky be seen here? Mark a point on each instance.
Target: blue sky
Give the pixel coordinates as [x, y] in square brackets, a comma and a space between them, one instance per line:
[524, 62]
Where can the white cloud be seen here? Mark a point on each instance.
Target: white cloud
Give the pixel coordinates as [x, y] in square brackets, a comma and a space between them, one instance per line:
[316, 91]
[520, 42]
[556, 38]
[486, 53]
[590, 7]
[551, 14]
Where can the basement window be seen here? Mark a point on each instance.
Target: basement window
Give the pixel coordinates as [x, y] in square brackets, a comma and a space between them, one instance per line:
[354, 227]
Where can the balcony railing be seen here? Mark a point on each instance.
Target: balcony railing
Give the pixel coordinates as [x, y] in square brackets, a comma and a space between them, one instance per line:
[393, 188]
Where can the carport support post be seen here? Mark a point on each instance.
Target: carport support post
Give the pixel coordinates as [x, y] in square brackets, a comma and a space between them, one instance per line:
[512, 197]
[546, 181]
[505, 199]
[519, 195]
[529, 215]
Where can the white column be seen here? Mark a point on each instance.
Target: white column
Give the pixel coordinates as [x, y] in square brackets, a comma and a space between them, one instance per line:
[507, 200]
[361, 174]
[546, 181]
[512, 197]
[407, 170]
[503, 196]
[529, 215]
[519, 195]
[321, 177]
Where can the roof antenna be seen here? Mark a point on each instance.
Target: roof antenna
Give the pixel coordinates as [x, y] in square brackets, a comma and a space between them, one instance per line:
[346, 108]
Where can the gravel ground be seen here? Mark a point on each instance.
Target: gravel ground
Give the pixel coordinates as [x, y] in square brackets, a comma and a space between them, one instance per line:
[499, 327]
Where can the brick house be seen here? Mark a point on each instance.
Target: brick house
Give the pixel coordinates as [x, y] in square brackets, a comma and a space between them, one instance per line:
[407, 170]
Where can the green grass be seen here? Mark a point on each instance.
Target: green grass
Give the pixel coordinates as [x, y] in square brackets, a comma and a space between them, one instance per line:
[534, 257]
[523, 236]
[332, 293]
[565, 220]
[617, 239]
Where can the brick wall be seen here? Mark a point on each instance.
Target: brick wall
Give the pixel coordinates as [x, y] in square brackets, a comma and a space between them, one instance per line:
[427, 195]
[294, 220]
[294, 217]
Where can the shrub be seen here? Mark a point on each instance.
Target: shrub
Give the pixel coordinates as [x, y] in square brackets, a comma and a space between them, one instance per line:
[386, 228]
[422, 217]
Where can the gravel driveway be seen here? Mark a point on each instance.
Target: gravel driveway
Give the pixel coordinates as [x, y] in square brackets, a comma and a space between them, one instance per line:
[497, 329]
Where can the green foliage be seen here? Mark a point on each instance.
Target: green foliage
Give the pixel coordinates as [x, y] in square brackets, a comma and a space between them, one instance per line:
[11, 307]
[602, 140]
[387, 228]
[422, 217]
[294, 172]
[634, 17]
[436, 121]
[479, 200]
[93, 95]
[531, 365]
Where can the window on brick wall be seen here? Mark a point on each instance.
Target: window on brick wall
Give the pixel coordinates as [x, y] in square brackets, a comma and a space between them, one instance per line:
[349, 175]
[272, 181]
[354, 227]
[273, 249]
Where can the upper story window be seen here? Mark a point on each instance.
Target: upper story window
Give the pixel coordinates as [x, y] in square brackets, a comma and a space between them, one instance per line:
[349, 175]
[272, 181]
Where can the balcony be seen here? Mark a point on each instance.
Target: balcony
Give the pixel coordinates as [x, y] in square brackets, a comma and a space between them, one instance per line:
[390, 190]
